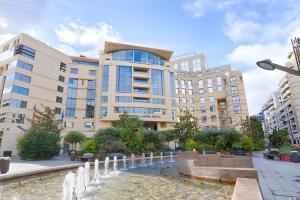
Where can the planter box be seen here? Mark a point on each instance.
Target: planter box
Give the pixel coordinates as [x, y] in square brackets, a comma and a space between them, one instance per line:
[4, 164]
[285, 157]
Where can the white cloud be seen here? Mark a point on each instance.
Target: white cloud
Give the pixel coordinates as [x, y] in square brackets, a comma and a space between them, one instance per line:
[196, 7]
[5, 37]
[259, 84]
[3, 23]
[79, 36]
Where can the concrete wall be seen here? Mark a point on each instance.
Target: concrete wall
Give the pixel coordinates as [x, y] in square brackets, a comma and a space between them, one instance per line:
[246, 189]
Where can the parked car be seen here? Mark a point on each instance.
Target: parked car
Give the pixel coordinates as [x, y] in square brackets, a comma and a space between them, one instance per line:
[239, 152]
[112, 155]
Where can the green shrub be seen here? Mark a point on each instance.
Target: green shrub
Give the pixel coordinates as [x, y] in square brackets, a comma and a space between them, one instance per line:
[190, 144]
[285, 150]
[108, 141]
[89, 146]
[74, 137]
[245, 143]
[205, 147]
[156, 138]
[38, 145]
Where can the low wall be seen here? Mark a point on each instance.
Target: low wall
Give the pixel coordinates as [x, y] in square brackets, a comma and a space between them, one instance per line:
[246, 189]
[216, 167]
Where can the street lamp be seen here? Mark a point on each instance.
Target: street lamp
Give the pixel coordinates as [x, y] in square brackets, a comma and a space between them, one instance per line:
[269, 65]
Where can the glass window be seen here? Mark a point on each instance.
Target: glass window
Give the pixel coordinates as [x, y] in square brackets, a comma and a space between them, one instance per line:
[201, 91]
[141, 90]
[158, 101]
[92, 72]
[74, 71]
[60, 89]
[196, 65]
[190, 100]
[213, 118]
[234, 89]
[14, 103]
[71, 97]
[61, 78]
[104, 99]
[175, 66]
[219, 80]
[140, 80]
[183, 100]
[141, 99]
[202, 100]
[172, 88]
[185, 66]
[21, 64]
[203, 119]
[209, 83]
[201, 85]
[210, 90]
[235, 99]
[59, 99]
[18, 76]
[233, 79]
[16, 89]
[211, 99]
[105, 78]
[202, 110]
[78, 62]
[90, 102]
[103, 112]
[57, 110]
[157, 82]
[177, 100]
[212, 108]
[123, 99]
[237, 109]
[124, 79]
[12, 118]
[220, 87]
[25, 51]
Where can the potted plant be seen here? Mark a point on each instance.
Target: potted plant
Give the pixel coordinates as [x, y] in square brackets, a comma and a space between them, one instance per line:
[285, 153]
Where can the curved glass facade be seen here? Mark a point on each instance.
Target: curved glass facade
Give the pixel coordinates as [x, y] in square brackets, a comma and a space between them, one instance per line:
[137, 56]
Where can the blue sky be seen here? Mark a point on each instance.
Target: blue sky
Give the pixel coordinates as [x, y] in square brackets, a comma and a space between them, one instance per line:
[237, 32]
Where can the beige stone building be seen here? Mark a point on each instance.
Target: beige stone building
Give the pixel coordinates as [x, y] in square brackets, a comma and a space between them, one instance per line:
[87, 93]
[216, 96]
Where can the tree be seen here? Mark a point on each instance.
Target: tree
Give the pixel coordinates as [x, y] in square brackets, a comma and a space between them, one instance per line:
[155, 138]
[279, 138]
[89, 146]
[186, 127]
[170, 135]
[108, 141]
[130, 129]
[253, 129]
[41, 141]
[74, 137]
[245, 143]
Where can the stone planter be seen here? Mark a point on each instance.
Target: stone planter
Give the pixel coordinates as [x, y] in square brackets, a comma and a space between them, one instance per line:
[4, 164]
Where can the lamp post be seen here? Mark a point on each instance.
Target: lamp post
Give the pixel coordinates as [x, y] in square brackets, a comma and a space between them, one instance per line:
[269, 65]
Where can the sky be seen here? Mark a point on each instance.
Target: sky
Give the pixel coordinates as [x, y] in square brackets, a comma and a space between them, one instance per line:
[236, 32]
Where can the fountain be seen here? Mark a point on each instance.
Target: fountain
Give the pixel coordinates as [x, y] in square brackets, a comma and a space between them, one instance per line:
[194, 150]
[171, 157]
[132, 161]
[161, 157]
[96, 166]
[68, 186]
[151, 158]
[86, 174]
[115, 164]
[106, 165]
[143, 160]
[124, 162]
[80, 186]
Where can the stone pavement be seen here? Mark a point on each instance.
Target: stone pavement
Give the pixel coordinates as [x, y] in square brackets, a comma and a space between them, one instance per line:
[278, 180]
[18, 166]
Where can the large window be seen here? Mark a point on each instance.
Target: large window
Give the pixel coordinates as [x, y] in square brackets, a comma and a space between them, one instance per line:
[90, 100]
[234, 89]
[185, 66]
[124, 79]
[235, 99]
[14, 103]
[237, 109]
[140, 110]
[105, 78]
[158, 101]
[176, 87]
[74, 71]
[21, 64]
[18, 76]
[71, 97]
[16, 89]
[78, 62]
[12, 118]
[123, 99]
[196, 65]
[172, 88]
[137, 56]
[157, 82]
[25, 51]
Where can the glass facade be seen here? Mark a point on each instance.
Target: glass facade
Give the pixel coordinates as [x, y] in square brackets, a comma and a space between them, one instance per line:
[105, 78]
[172, 84]
[16, 89]
[78, 62]
[158, 101]
[137, 56]
[140, 110]
[157, 82]
[18, 76]
[14, 103]
[21, 64]
[90, 100]
[71, 97]
[123, 99]
[124, 79]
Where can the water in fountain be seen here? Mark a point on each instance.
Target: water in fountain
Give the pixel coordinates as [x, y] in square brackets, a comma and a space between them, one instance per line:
[161, 157]
[194, 150]
[171, 157]
[115, 164]
[86, 174]
[68, 186]
[143, 160]
[106, 165]
[96, 170]
[151, 158]
[132, 161]
[80, 186]
[124, 162]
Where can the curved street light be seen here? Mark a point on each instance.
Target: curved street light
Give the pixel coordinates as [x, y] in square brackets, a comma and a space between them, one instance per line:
[269, 65]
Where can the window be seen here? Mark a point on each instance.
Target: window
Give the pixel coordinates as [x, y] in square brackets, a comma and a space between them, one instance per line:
[62, 67]
[104, 99]
[183, 100]
[57, 110]
[78, 62]
[173, 114]
[203, 119]
[172, 89]
[103, 112]
[14, 103]
[175, 66]
[123, 99]
[234, 89]
[74, 71]
[124, 79]
[220, 88]
[158, 101]
[105, 78]
[59, 99]
[18, 76]
[212, 108]
[71, 97]
[12, 118]
[140, 80]
[233, 79]
[196, 65]
[201, 85]
[92, 72]
[211, 99]
[209, 83]
[237, 109]
[185, 66]
[176, 87]
[16, 89]
[61, 78]
[183, 86]
[69, 124]
[141, 100]
[210, 90]
[157, 82]
[219, 83]
[60, 89]
[213, 118]
[141, 90]
[173, 102]
[24, 51]
[88, 124]
[90, 100]
[202, 110]
[201, 91]
[235, 99]
[190, 100]
[140, 110]
[21, 64]
[190, 87]
[202, 100]
[177, 100]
